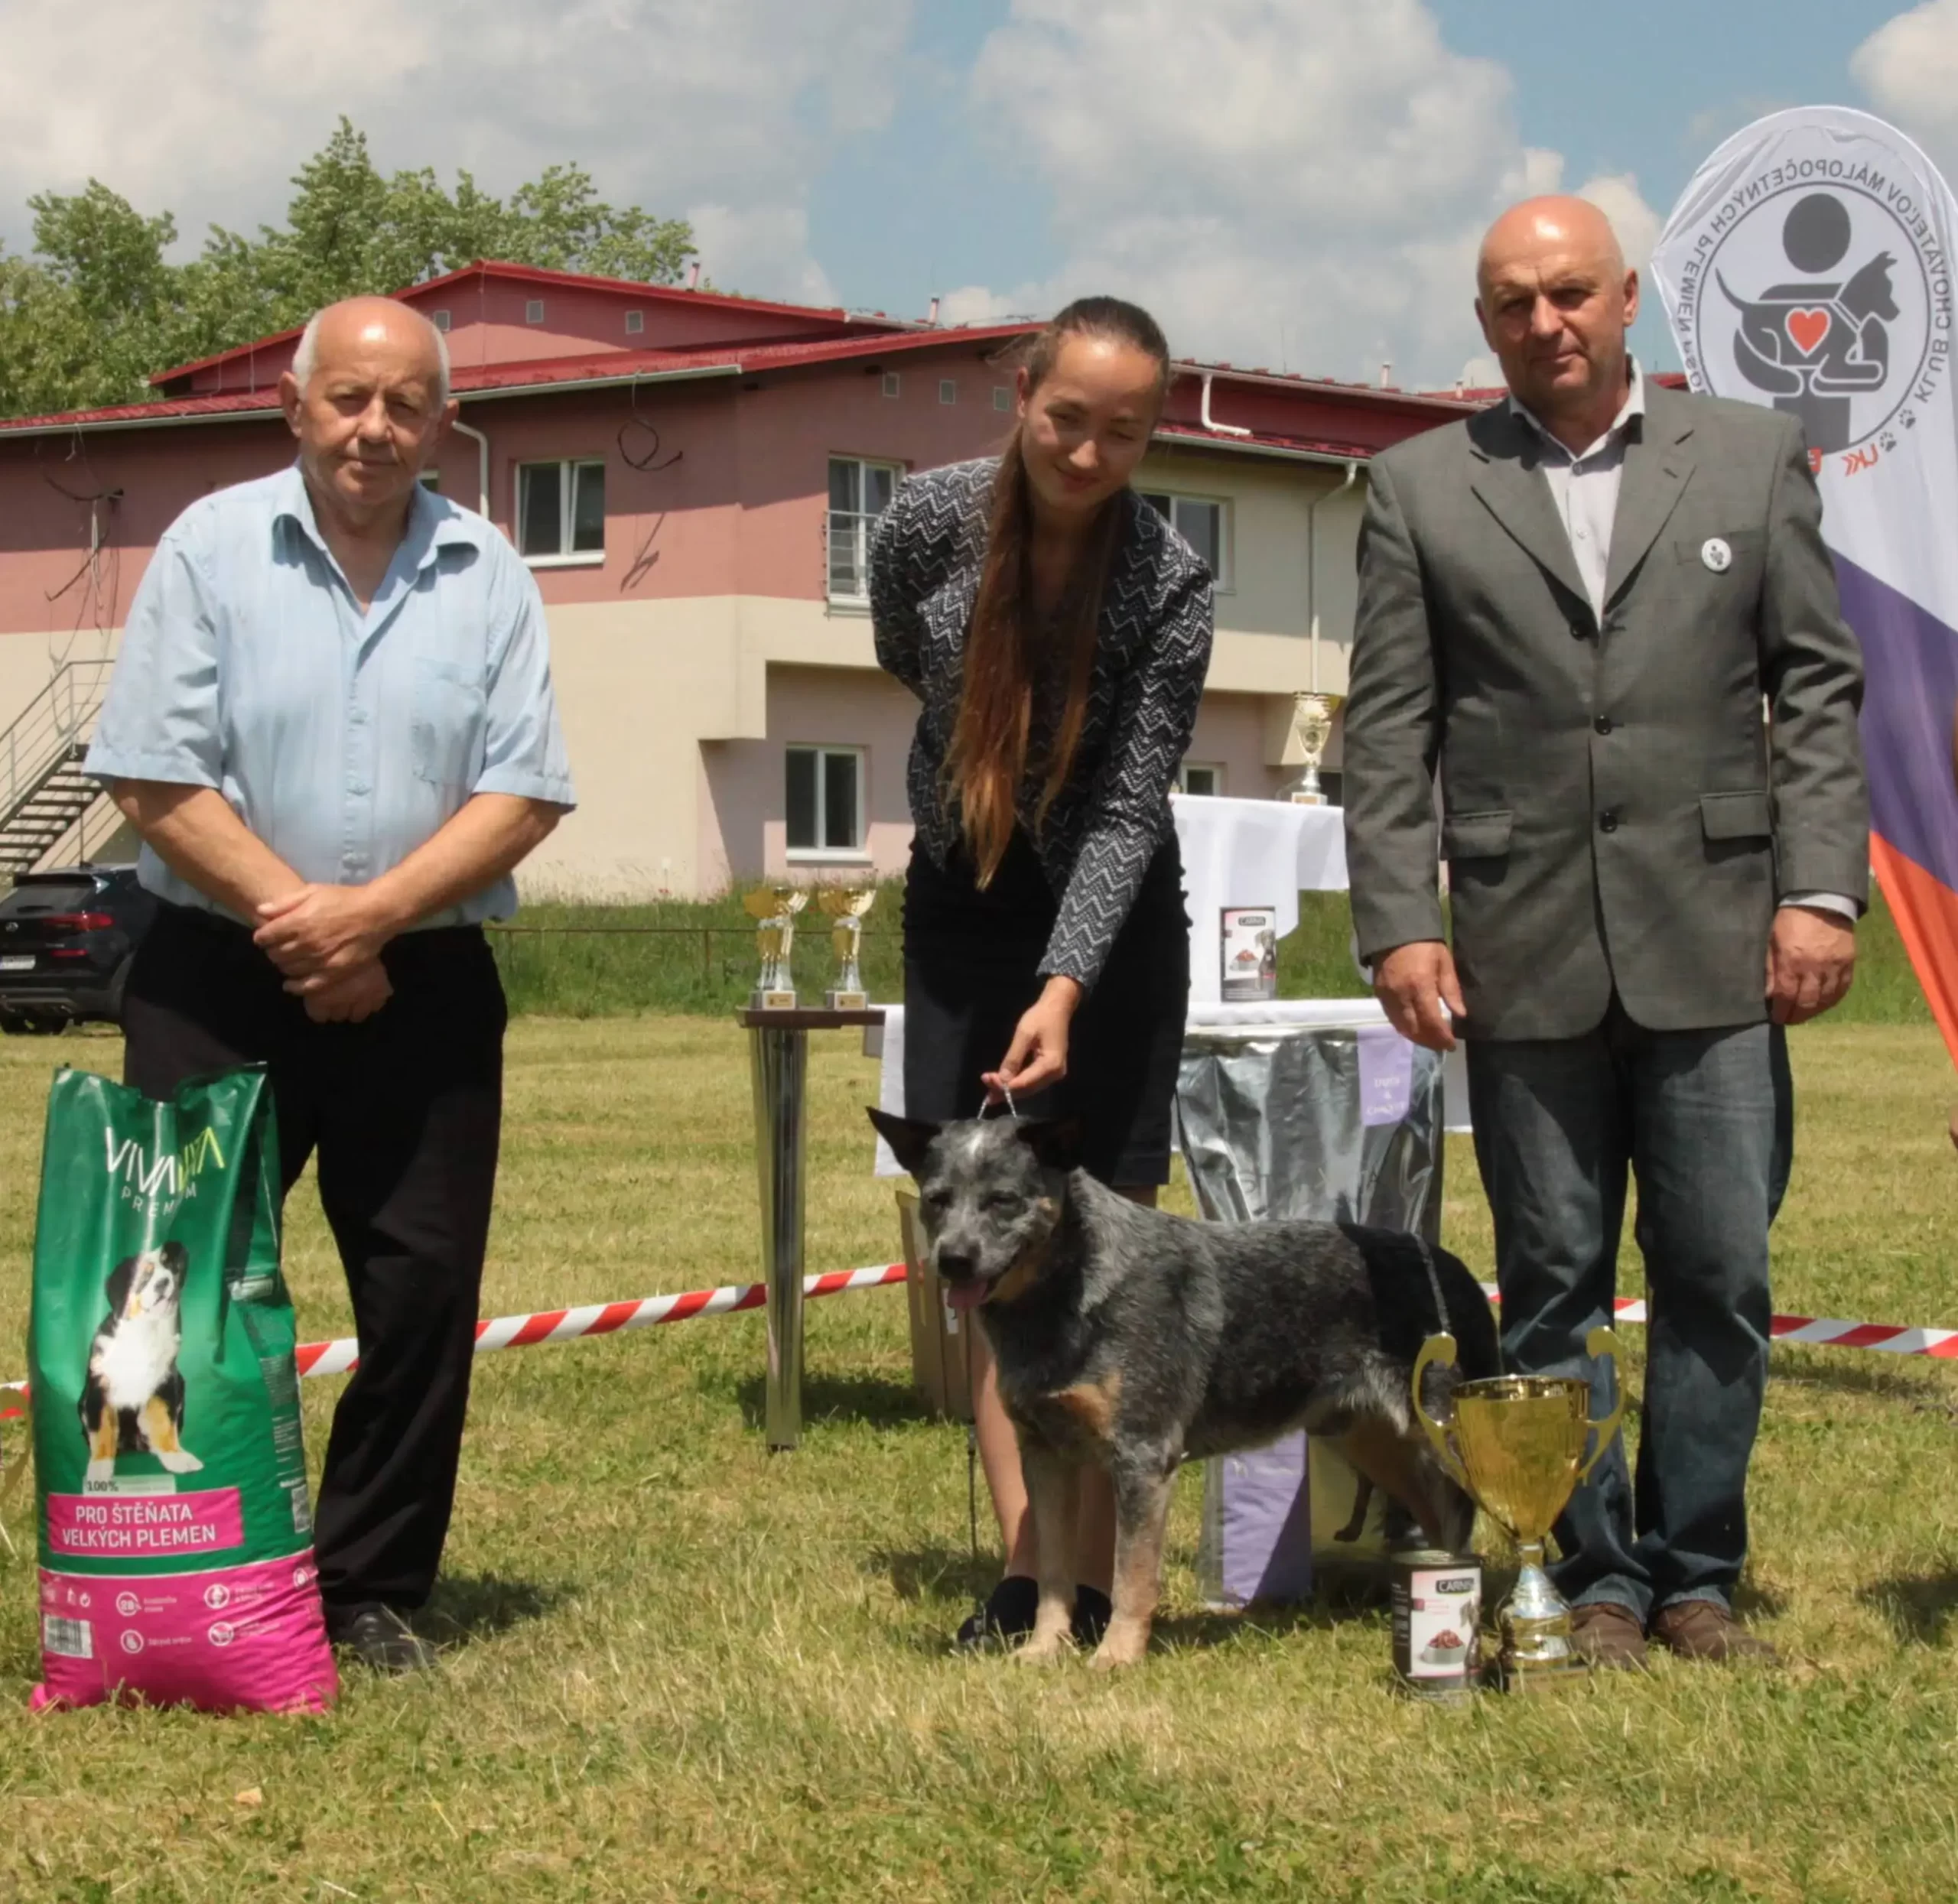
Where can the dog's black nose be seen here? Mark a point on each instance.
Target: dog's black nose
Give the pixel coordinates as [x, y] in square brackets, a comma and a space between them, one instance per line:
[954, 1265]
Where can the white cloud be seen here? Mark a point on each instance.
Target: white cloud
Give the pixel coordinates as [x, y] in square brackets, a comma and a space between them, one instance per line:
[1908, 69]
[720, 110]
[1295, 180]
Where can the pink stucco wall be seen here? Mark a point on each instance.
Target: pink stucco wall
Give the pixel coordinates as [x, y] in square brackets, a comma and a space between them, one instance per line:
[742, 511]
[742, 835]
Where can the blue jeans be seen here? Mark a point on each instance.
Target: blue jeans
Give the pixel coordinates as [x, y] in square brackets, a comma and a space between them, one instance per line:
[1703, 1121]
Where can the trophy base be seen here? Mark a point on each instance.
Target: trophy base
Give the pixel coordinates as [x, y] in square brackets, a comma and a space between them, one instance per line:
[846, 1001]
[1308, 799]
[1533, 1676]
[761, 1000]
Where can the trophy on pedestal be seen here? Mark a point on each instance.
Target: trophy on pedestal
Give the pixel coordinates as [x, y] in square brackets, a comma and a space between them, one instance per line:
[774, 908]
[847, 906]
[1311, 728]
[1516, 1442]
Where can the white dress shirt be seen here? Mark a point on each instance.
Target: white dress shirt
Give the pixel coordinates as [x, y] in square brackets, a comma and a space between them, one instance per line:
[1584, 486]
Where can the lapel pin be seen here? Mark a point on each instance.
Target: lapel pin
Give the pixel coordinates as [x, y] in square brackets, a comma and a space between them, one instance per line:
[1716, 554]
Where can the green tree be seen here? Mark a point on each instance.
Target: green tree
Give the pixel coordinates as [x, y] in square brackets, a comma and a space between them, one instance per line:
[98, 306]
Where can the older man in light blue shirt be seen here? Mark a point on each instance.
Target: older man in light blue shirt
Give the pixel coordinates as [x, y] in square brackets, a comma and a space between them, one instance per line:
[332, 722]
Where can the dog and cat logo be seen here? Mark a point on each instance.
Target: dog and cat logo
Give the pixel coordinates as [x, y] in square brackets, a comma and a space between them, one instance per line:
[1824, 285]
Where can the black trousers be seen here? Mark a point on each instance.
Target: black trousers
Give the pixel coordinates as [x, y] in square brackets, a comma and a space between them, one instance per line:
[405, 1112]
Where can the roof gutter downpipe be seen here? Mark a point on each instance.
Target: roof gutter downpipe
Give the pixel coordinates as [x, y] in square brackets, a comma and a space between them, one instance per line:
[1312, 562]
[1209, 421]
[482, 460]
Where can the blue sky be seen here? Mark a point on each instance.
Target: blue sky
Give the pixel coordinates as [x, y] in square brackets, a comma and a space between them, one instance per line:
[1286, 182]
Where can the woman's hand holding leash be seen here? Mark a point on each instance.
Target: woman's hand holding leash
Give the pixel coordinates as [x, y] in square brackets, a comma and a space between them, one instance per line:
[1038, 1056]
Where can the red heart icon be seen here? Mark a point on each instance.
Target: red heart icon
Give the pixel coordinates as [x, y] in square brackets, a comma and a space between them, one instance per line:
[1808, 328]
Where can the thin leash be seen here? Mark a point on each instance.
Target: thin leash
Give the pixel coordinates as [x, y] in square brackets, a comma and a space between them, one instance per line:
[972, 1425]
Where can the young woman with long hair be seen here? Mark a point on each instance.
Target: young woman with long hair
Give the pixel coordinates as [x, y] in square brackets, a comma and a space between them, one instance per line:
[1057, 632]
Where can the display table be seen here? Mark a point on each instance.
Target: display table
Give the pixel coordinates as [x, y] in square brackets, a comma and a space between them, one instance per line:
[778, 1062]
[1251, 853]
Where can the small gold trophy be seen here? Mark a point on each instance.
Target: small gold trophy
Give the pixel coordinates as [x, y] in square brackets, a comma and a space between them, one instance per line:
[775, 908]
[1311, 728]
[1516, 1442]
[847, 906]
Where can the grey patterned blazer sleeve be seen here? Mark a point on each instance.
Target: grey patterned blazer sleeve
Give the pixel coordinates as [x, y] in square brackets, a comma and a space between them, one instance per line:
[1154, 715]
[1390, 740]
[896, 626]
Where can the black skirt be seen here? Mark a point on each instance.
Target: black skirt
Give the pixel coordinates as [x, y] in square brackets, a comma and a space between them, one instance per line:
[971, 961]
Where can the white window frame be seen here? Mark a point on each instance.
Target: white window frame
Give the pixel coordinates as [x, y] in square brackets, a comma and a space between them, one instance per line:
[1215, 767]
[635, 322]
[860, 853]
[948, 390]
[439, 319]
[1002, 396]
[862, 522]
[533, 311]
[567, 507]
[1227, 562]
[893, 384]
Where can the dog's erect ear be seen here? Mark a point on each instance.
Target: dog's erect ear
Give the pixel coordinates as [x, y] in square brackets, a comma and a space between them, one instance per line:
[117, 1288]
[1056, 1142]
[908, 1138]
[176, 1259]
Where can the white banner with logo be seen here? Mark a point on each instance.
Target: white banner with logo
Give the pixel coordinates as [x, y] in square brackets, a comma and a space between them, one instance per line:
[1808, 267]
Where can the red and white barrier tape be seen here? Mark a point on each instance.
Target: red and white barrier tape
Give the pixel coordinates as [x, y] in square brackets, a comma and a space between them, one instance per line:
[1819, 1331]
[609, 1318]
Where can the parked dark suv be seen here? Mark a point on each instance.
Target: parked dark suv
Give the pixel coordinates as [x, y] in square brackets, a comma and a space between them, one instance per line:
[66, 941]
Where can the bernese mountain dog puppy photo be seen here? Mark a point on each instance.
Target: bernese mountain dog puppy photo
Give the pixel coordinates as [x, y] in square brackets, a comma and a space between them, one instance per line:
[133, 1400]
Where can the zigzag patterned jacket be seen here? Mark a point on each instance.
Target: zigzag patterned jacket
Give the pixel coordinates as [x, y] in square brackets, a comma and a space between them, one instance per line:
[1152, 652]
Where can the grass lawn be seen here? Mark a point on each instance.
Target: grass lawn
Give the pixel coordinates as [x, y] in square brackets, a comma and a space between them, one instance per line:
[676, 1667]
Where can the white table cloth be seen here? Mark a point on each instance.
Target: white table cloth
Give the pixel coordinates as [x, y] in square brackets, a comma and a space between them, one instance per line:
[1251, 853]
[887, 1042]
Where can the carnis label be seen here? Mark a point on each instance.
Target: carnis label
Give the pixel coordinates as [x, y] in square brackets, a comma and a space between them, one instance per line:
[136, 1527]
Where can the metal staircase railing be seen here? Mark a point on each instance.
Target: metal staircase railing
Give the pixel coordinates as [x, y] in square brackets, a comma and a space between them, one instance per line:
[44, 796]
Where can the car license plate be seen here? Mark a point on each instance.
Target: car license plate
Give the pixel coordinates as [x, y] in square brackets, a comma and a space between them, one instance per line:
[18, 962]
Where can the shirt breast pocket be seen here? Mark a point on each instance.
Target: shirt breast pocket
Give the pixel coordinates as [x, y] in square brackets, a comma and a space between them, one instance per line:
[451, 712]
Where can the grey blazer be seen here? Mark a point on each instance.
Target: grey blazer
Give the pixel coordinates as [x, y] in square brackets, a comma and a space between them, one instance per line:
[1615, 812]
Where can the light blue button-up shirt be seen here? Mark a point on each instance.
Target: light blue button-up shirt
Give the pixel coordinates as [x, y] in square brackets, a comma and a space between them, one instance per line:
[342, 740]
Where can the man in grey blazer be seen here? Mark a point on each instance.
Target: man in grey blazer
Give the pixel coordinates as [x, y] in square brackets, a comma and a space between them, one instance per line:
[1572, 608]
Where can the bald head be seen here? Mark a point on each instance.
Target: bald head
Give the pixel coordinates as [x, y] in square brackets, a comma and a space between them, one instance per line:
[1555, 300]
[360, 326]
[368, 398]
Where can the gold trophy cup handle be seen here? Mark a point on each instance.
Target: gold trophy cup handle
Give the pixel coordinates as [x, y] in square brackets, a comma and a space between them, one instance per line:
[1441, 1349]
[1602, 1345]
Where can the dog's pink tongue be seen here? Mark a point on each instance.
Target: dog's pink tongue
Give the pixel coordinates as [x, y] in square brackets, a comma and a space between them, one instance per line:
[965, 1295]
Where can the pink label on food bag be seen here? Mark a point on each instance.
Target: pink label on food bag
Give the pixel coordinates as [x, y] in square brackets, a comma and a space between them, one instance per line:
[145, 1527]
[223, 1639]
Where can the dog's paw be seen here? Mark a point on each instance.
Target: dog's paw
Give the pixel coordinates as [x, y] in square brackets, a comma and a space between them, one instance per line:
[1045, 1649]
[1119, 1649]
[100, 1471]
[180, 1461]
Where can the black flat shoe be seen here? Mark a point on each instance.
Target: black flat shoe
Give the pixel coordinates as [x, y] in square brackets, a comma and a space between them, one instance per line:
[1007, 1615]
[1092, 1612]
[382, 1640]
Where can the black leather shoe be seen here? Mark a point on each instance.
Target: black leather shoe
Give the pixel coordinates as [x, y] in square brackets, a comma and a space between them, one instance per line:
[382, 1640]
[1007, 1615]
[1092, 1612]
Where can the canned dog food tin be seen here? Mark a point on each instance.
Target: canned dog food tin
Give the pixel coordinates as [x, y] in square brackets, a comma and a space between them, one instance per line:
[1437, 1615]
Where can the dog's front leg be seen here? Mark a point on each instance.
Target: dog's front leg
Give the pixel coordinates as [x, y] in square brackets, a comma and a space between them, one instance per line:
[1142, 1512]
[1052, 1491]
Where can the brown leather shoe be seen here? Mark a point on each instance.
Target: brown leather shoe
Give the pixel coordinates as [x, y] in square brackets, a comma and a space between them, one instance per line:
[1705, 1629]
[1606, 1634]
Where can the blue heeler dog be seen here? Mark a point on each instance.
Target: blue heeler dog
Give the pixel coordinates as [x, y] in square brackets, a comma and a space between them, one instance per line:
[1134, 1340]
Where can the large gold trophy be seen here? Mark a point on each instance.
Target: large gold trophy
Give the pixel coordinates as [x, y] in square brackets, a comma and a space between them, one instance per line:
[774, 908]
[847, 906]
[1517, 1443]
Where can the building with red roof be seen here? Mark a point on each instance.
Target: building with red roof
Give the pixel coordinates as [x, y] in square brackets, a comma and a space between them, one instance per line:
[692, 477]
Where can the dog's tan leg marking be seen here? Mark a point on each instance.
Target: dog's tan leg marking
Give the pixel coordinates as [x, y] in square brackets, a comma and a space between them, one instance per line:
[102, 1443]
[1052, 1491]
[159, 1430]
[1395, 1463]
[1093, 1403]
[1142, 1511]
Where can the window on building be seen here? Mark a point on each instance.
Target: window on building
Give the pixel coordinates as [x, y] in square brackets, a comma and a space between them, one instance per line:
[825, 804]
[1200, 777]
[430, 479]
[893, 384]
[533, 311]
[561, 512]
[439, 319]
[1002, 396]
[1203, 522]
[947, 390]
[635, 322]
[859, 493]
